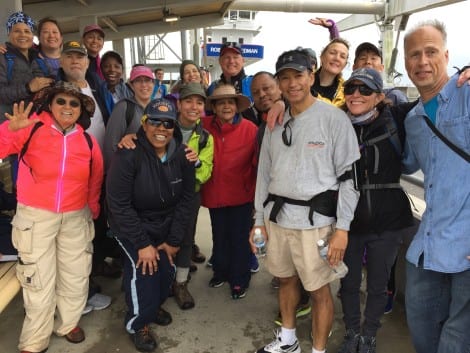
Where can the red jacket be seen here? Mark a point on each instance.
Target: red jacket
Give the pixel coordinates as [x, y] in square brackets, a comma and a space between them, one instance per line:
[56, 173]
[233, 177]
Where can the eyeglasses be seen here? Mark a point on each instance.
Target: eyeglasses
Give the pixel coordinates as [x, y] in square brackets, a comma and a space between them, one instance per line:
[73, 103]
[167, 124]
[287, 133]
[363, 90]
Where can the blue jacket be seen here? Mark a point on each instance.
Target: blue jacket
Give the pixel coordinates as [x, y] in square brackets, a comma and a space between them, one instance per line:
[443, 236]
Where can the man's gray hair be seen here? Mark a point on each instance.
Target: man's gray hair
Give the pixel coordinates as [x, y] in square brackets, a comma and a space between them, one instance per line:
[440, 26]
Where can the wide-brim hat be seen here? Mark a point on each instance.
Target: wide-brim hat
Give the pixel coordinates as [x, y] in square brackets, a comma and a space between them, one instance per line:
[44, 97]
[228, 91]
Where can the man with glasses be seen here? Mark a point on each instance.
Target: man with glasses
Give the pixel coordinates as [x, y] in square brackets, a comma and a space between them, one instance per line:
[304, 194]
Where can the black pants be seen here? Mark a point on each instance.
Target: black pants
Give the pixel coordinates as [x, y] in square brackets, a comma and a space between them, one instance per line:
[382, 250]
[231, 250]
[144, 293]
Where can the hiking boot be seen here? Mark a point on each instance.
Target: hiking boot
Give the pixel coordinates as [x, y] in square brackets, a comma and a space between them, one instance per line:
[163, 317]
[76, 335]
[367, 344]
[143, 340]
[197, 256]
[276, 346]
[350, 342]
[301, 311]
[182, 296]
[238, 292]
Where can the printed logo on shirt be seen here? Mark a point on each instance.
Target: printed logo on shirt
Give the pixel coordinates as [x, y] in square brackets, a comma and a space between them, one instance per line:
[315, 144]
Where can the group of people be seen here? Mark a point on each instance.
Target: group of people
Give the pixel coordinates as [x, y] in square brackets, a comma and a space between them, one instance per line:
[312, 155]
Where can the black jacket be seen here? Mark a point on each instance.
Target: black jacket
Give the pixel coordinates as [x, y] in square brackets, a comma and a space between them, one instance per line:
[380, 163]
[148, 201]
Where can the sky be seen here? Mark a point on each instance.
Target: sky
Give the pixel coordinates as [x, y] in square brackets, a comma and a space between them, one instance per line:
[284, 31]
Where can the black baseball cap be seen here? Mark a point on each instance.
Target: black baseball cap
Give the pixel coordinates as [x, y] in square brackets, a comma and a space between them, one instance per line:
[366, 46]
[293, 59]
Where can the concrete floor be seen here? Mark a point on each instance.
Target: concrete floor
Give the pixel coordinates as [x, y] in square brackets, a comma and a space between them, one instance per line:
[217, 324]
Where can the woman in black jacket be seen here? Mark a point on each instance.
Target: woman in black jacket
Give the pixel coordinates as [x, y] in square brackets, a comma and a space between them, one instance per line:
[383, 208]
[149, 190]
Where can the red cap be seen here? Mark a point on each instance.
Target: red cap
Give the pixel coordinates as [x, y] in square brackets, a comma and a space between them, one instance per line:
[91, 28]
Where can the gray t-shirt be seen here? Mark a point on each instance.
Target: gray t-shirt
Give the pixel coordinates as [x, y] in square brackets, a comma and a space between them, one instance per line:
[324, 146]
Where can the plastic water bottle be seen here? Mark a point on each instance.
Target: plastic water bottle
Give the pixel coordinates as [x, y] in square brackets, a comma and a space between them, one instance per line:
[340, 269]
[260, 243]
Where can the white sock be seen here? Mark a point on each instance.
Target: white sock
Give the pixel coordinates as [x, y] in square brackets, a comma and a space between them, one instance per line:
[182, 274]
[315, 351]
[288, 336]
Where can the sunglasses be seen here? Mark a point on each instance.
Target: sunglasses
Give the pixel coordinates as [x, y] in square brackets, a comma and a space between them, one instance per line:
[363, 90]
[73, 103]
[167, 124]
[287, 133]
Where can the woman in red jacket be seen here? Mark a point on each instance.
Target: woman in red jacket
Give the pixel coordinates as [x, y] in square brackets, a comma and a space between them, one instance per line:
[59, 182]
[229, 193]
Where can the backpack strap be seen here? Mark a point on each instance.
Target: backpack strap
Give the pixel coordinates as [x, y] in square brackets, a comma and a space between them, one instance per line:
[203, 136]
[130, 109]
[42, 65]
[10, 64]
[26, 144]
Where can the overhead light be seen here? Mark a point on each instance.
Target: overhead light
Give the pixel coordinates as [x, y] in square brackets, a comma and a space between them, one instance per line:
[168, 17]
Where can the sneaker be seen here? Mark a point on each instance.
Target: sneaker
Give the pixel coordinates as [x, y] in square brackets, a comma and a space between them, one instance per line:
[183, 298]
[216, 283]
[238, 292]
[276, 346]
[350, 342]
[99, 301]
[367, 344]
[389, 306]
[197, 256]
[87, 309]
[254, 264]
[143, 340]
[301, 311]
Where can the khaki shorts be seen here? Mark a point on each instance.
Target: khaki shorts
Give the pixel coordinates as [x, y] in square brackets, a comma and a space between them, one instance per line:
[293, 252]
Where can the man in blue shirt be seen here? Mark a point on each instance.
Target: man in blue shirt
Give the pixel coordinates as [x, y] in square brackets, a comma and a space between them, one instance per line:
[438, 261]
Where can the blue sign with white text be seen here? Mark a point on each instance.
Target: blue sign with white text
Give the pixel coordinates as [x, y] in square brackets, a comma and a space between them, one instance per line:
[248, 50]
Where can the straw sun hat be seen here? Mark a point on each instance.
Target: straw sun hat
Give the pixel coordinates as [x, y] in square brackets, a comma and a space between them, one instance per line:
[228, 91]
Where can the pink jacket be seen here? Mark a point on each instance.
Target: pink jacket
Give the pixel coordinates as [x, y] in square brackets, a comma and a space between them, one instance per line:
[55, 173]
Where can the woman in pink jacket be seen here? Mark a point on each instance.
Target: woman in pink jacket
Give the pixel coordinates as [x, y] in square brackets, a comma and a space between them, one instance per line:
[58, 187]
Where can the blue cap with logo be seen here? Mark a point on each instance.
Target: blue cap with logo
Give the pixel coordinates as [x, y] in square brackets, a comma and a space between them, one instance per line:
[370, 77]
[160, 108]
[293, 59]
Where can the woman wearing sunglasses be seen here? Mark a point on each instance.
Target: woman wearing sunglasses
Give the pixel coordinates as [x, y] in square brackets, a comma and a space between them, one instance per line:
[383, 209]
[149, 190]
[59, 182]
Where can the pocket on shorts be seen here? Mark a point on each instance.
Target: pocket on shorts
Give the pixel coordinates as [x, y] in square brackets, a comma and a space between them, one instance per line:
[28, 275]
[22, 234]
[87, 256]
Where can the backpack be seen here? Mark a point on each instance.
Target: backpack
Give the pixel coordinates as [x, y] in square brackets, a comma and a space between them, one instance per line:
[10, 57]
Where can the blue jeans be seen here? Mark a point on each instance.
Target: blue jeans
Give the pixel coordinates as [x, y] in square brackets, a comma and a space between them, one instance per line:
[438, 310]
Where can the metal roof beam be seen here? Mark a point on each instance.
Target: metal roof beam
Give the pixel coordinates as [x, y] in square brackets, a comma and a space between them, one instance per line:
[363, 7]
[156, 27]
